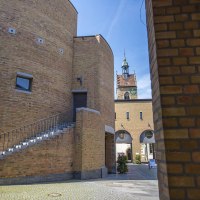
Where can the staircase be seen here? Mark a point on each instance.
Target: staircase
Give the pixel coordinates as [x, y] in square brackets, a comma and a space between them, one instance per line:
[32, 134]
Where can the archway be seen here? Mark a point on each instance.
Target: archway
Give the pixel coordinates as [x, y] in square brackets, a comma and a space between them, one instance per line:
[147, 141]
[123, 142]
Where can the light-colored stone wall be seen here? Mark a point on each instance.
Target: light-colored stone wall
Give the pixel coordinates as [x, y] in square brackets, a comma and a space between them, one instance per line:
[134, 125]
[56, 23]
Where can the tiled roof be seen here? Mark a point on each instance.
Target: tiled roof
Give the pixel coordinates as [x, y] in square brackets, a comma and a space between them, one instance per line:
[129, 81]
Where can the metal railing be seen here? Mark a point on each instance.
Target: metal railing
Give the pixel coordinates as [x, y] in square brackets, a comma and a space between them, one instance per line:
[14, 137]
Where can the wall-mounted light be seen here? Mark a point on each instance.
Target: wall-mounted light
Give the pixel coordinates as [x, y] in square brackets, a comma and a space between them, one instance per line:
[80, 79]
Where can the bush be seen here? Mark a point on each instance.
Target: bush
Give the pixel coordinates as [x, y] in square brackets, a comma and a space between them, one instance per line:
[137, 159]
[122, 167]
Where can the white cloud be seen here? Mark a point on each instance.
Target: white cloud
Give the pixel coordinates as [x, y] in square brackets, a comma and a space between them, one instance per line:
[116, 17]
[144, 87]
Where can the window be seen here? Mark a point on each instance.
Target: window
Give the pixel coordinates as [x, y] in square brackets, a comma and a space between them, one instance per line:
[150, 148]
[127, 115]
[141, 117]
[24, 82]
[126, 96]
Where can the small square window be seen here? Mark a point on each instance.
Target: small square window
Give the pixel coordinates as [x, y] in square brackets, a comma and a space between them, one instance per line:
[61, 51]
[12, 31]
[23, 83]
[40, 41]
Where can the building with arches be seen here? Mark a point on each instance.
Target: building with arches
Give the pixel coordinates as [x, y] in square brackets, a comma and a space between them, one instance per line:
[133, 119]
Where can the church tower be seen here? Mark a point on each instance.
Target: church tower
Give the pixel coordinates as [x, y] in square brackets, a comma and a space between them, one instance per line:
[126, 83]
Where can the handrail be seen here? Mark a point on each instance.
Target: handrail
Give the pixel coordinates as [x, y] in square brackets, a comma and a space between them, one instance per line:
[13, 137]
[32, 123]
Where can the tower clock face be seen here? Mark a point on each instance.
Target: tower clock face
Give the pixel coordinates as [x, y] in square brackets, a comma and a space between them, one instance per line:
[133, 91]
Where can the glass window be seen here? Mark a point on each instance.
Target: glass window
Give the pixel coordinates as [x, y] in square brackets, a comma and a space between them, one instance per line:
[127, 115]
[141, 117]
[23, 83]
[150, 148]
[126, 96]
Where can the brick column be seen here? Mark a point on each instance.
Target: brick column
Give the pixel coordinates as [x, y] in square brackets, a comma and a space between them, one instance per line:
[174, 49]
[89, 147]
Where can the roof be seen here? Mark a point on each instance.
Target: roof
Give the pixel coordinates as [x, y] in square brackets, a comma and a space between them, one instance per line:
[125, 63]
[132, 100]
[129, 81]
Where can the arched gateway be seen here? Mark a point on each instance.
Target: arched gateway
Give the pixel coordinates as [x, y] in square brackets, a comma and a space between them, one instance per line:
[147, 141]
[123, 142]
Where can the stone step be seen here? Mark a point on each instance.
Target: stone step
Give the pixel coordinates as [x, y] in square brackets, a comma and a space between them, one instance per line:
[39, 138]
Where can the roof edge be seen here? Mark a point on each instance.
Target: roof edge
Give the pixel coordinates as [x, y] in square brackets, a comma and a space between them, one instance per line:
[96, 36]
[73, 6]
[106, 42]
[133, 100]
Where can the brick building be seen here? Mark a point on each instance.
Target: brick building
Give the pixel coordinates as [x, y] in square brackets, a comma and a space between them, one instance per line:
[56, 95]
[133, 119]
[174, 39]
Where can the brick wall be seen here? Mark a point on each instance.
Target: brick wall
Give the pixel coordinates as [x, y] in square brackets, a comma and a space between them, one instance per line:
[56, 23]
[93, 61]
[89, 154]
[174, 32]
[110, 160]
[49, 160]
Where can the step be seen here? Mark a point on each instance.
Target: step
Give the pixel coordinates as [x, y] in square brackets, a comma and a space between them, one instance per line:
[33, 140]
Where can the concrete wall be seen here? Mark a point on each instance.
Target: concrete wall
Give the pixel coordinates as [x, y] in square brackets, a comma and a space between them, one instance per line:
[174, 32]
[50, 160]
[56, 23]
[134, 125]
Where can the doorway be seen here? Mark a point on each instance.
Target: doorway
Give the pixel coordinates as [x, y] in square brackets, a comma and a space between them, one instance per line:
[123, 142]
[79, 100]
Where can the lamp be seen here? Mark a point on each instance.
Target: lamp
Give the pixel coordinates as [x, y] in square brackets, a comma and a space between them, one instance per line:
[79, 79]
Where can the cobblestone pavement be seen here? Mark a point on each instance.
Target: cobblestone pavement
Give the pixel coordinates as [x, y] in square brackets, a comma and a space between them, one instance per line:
[122, 187]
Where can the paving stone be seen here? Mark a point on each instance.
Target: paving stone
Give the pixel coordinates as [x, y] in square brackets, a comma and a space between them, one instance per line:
[123, 187]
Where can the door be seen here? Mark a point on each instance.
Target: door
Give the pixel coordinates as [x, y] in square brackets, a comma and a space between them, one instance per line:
[79, 100]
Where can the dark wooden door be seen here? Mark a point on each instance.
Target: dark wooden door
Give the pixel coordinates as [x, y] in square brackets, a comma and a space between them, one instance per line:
[79, 100]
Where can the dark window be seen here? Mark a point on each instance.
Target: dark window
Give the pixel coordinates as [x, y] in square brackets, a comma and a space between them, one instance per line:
[23, 83]
[127, 115]
[126, 96]
[150, 148]
[141, 117]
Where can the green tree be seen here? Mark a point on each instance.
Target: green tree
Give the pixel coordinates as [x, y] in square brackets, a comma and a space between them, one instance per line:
[137, 159]
[122, 167]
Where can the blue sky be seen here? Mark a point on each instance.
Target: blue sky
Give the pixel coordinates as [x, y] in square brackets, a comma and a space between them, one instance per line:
[119, 21]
